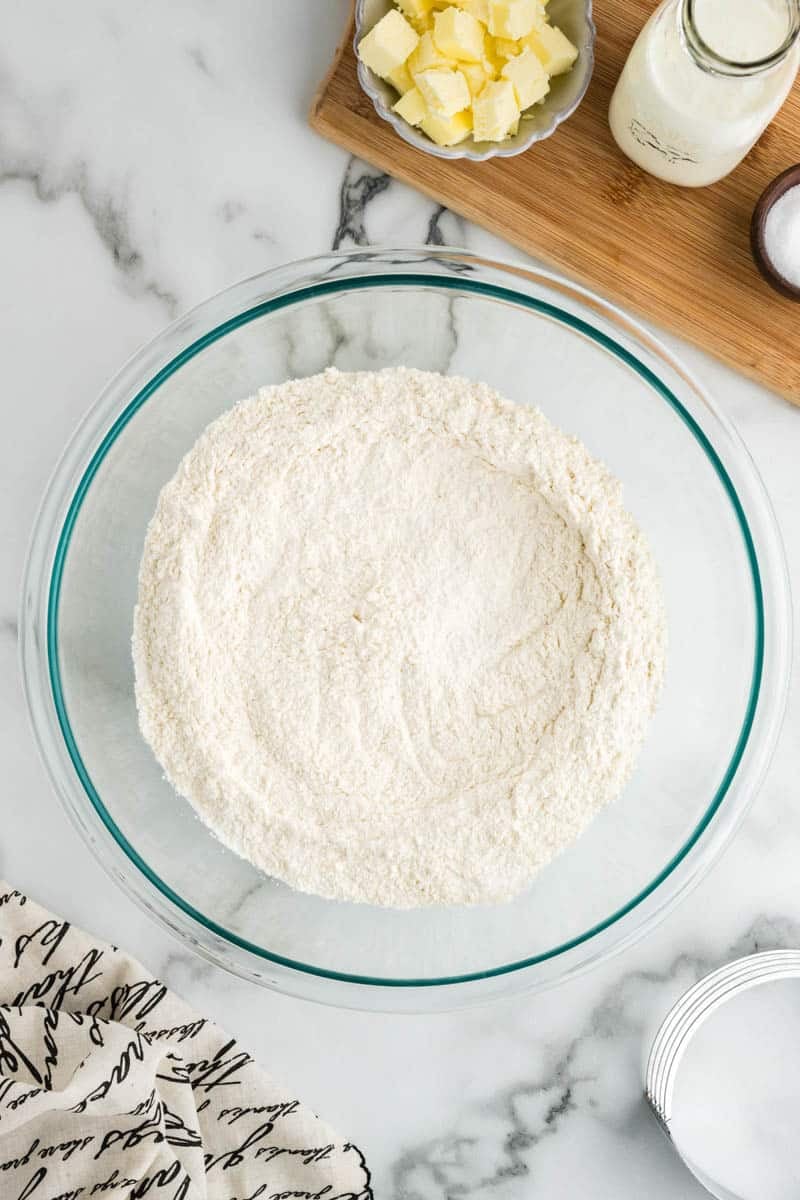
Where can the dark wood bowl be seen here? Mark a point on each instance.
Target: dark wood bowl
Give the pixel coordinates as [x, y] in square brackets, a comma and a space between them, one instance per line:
[779, 186]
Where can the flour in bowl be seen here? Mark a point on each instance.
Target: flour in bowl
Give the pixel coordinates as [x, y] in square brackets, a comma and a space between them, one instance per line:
[397, 639]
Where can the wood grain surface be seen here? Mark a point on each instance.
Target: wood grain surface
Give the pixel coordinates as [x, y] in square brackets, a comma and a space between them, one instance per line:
[678, 256]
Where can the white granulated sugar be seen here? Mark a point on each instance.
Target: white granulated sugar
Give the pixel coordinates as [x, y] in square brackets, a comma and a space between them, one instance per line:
[397, 639]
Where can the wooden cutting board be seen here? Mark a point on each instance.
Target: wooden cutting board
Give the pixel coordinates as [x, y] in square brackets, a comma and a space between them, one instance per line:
[678, 256]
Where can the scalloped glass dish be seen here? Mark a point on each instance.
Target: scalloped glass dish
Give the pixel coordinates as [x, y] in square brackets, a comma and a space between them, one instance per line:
[688, 480]
[574, 17]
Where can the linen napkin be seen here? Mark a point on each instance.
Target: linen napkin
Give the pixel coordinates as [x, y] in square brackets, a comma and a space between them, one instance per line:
[112, 1087]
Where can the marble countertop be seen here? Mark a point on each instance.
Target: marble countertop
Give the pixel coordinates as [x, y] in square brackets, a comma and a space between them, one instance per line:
[149, 155]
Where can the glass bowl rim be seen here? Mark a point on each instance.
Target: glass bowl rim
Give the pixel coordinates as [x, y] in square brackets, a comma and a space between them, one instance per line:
[380, 268]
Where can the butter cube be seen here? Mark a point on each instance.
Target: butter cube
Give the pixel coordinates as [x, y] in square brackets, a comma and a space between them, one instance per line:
[479, 9]
[458, 35]
[540, 14]
[426, 56]
[495, 112]
[445, 92]
[530, 80]
[388, 44]
[512, 18]
[411, 107]
[475, 75]
[448, 131]
[400, 79]
[415, 9]
[554, 50]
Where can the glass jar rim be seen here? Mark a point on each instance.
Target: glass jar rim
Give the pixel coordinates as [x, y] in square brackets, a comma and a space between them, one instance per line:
[710, 60]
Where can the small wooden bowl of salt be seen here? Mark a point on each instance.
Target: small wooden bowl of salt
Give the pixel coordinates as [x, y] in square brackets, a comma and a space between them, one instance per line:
[775, 233]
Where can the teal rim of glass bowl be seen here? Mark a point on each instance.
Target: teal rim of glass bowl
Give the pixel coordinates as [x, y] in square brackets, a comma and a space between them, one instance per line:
[314, 291]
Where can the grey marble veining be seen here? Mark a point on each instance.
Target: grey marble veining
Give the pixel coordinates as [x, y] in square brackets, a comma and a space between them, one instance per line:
[360, 184]
[445, 228]
[107, 216]
[149, 156]
[517, 1134]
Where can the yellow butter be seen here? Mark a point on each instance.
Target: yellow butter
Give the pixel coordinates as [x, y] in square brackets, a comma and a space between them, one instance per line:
[505, 48]
[554, 50]
[445, 92]
[512, 19]
[458, 35]
[464, 66]
[411, 107]
[529, 78]
[492, 62]
[495, 112]
[388, 44]
[426, 56]
[475, 75]
[479, 9]
[400, 79]
[448, 131]
[415, 9]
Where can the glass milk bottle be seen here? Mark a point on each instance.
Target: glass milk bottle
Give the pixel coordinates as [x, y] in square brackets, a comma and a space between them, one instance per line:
[702, 82]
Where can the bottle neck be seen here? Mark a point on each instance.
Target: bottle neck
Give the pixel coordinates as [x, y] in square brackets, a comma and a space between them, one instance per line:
[709, 59]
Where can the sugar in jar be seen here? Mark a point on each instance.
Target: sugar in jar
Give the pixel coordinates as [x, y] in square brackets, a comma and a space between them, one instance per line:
[702, 82]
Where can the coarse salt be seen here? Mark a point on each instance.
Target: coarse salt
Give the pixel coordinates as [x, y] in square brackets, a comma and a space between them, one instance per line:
[782, 235]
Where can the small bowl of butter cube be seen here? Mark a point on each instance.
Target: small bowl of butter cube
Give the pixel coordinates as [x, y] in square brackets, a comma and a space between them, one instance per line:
[474, 79]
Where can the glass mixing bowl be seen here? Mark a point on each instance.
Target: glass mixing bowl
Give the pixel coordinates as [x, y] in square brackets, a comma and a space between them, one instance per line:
[688, 480]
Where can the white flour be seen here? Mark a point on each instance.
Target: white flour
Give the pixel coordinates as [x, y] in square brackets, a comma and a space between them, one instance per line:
[397, 638]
